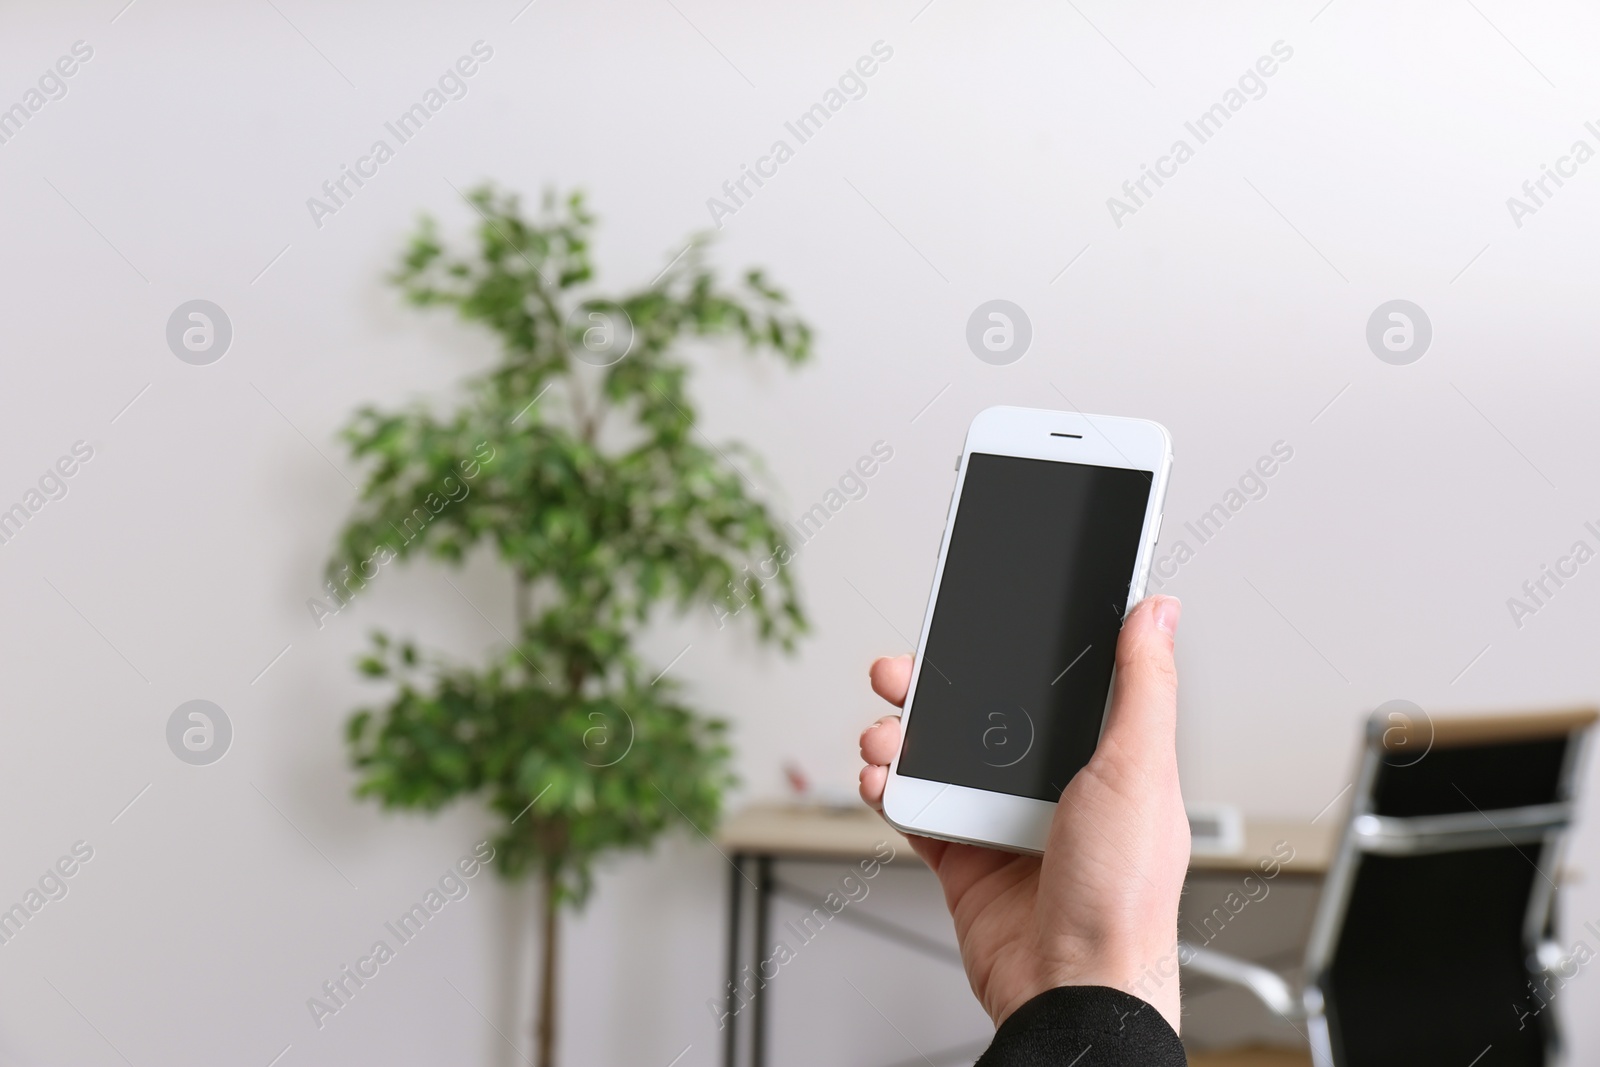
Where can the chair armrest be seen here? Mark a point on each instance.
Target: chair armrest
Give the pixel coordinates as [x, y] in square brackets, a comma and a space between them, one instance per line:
[1268, 986]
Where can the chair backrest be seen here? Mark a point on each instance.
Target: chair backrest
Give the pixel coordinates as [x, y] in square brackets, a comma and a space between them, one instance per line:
[1442, 890]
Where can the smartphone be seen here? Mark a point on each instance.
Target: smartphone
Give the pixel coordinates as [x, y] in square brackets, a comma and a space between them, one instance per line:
[1047, 545]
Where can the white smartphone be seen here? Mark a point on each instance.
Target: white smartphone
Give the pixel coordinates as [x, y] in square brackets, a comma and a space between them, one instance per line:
[1051, 530]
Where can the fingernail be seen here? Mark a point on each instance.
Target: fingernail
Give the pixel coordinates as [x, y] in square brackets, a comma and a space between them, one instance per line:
[1168, 611]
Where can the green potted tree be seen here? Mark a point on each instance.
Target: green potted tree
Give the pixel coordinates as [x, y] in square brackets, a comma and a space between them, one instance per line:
[576, 460]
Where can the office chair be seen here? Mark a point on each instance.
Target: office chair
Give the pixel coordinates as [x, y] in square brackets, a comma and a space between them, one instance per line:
[1432, 940]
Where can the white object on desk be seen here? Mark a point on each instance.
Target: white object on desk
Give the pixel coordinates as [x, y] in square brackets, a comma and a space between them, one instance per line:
[1215, 830]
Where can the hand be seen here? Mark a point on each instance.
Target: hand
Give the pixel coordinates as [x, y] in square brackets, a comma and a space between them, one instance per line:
[1101, 907]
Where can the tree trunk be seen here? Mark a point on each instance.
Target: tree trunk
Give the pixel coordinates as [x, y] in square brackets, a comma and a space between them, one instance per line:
[544, 1026]
[521, 606]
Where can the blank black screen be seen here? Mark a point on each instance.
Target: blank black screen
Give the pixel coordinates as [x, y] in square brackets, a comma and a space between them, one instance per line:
[1019, 656]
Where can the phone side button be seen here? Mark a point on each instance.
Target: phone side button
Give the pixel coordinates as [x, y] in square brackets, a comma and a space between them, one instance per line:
[1156, 536]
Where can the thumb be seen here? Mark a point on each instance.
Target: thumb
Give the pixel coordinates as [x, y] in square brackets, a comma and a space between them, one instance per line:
[1142, 722]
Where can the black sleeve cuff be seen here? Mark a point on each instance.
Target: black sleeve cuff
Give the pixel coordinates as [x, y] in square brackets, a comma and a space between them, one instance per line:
[1085, 1026]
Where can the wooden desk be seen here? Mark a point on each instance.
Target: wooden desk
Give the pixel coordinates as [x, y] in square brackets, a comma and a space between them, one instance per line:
[793, 831]
[1313, 848]
[762, 835]
[796, 832]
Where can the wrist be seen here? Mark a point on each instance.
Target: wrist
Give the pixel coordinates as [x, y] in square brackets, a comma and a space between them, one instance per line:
[1152, 977]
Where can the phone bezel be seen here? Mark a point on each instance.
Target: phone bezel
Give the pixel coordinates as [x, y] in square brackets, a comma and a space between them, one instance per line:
[979, 816]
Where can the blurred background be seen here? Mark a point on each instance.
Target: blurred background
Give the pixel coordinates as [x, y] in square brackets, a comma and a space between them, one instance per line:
[994, 154]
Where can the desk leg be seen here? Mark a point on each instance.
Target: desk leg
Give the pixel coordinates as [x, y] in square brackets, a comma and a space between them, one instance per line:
[730, 1046]
[758, 1024]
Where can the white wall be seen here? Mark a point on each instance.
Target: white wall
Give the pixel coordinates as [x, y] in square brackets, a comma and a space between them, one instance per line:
[1232, 307]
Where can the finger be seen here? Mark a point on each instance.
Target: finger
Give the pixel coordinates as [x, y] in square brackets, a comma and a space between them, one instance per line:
[1143, 718]
[873, 779]
[881, 741]
[891, 677]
